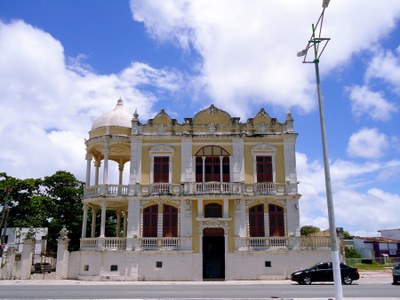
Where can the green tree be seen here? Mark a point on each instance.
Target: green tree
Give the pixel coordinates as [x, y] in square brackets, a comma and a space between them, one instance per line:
[351, 253]
[346, 235]
[66, 192]
[309, 229]
[28, 207]
[52, 202]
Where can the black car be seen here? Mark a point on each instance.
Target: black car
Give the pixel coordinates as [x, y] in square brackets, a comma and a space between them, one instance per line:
[396, 273]
[42, 268]
[324, 272]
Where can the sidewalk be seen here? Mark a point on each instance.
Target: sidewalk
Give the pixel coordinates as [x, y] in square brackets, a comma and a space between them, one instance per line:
[46, 279]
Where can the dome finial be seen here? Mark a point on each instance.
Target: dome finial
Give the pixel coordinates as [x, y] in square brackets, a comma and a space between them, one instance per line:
[135, 115]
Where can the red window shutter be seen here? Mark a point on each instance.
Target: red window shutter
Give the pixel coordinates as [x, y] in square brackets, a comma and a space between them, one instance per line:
[264, 168]
[276, 220]
[161, 169]
[150, 221]
[256, 219]
[170, 221]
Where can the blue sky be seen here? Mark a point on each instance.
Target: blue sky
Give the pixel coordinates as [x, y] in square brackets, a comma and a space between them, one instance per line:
[63, 63]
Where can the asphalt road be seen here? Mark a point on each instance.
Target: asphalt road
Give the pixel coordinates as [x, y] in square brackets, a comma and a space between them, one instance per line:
[370, 286]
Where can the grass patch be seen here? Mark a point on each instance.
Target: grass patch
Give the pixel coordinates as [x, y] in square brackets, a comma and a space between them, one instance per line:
[372, 267]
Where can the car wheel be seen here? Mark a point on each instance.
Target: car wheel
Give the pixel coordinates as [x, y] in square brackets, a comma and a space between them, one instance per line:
[347, 279]
[307, 280]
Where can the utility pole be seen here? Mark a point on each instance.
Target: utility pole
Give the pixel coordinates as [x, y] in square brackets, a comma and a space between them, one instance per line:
[318, 44]
[4, 218]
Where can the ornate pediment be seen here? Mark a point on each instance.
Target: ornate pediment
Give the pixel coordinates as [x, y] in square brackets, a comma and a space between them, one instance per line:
[264, 148]
[161, 149]
[212, 115]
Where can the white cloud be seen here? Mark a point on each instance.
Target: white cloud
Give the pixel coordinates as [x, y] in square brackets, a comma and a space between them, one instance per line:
[371, 211]
[362, 212]
[249, 51]
[368, 143]
[385, 65]
[365, 102]
[48, 106]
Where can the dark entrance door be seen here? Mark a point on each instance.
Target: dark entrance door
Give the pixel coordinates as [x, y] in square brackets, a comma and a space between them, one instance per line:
[213, 254]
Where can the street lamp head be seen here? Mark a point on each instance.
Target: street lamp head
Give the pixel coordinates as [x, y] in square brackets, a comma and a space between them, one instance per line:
[302, 53]
[325, 3]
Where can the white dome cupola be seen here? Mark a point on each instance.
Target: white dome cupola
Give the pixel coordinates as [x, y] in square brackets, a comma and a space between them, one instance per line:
[118, 117]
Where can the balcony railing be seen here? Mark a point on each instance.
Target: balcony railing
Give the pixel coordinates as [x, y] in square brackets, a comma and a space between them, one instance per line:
[189, 188]
[109, 243]
[106, 190]
[180, 244]
[310, 243]
[156, 243]
[170, 243]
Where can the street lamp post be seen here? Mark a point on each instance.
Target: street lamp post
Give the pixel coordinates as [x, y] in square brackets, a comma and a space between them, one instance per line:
[318, 44]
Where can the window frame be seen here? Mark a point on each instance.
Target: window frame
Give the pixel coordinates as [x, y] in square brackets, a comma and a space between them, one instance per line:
[264, 150]
[161, 151]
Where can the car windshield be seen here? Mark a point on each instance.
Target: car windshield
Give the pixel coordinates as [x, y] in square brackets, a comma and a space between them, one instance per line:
[397, 267]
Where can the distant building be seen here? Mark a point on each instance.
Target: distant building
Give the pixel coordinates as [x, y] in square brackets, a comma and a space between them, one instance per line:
[393, 234]
[15, 237]
[208, 198]
[373, 247]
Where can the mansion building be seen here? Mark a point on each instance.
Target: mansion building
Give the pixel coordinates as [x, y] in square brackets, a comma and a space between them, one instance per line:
[207, 198]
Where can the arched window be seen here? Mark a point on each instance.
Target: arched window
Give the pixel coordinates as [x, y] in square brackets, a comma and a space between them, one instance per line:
[276, 220]
[150, 219]
[170, 221]
[213, 210]
[256, 219]
[212, 164]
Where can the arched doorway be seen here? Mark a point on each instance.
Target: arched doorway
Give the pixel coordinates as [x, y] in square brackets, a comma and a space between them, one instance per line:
[213, 254]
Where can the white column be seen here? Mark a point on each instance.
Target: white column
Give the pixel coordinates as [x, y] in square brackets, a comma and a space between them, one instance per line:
[26, 258]
[134, 219]
[121, 172]
[136, 161]
[237, 162]
[203, 169]
[84, 221]
[62, 259]
[88, 169]
[125, 215]
[93, 229]
[226, 208]
[221, 176]
[185, 225]
[133, 224]
[200, 210]
[187, 170]
[97, 164]
[118, 229]
[103, 219]
[106, 151]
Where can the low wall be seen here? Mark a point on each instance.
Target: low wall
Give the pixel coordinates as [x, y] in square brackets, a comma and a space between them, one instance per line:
[271, 265]
[187, 266]
[136, 266]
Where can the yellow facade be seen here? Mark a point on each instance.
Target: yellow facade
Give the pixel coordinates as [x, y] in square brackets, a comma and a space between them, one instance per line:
[210, 187]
